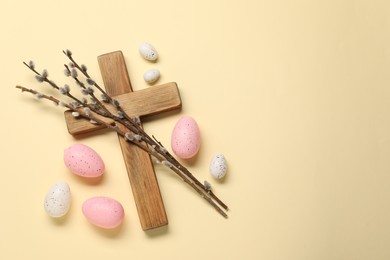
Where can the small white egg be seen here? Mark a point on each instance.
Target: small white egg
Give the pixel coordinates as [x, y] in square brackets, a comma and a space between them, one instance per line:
[57, 200]
[218, 166]
[152, 75]
[148, 52]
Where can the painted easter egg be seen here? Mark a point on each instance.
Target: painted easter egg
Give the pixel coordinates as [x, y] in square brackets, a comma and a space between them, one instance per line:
[57, 200]
[152, 75]
[103, 212]
[83, 161]
[218, 166]
[185, 139]
[148, 52]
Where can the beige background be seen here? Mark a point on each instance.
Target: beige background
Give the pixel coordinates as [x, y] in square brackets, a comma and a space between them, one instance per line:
[296, 94]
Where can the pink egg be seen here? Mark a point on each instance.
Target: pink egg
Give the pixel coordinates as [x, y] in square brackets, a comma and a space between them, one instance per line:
[83, 161]
[185, 140]
[103, 212]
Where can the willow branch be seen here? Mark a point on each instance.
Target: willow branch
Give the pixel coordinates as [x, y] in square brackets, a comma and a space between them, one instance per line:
[135, 134]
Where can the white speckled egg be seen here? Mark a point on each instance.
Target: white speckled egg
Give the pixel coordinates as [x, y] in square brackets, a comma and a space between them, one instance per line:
[152, 75]
[57, 200]
[185, 139]
[148, 52]
[83, 161]
[218, 166]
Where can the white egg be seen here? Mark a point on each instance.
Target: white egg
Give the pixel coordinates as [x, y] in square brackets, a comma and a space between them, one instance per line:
[152, 75]
[57, 200]
[148, 52]
[218, 166]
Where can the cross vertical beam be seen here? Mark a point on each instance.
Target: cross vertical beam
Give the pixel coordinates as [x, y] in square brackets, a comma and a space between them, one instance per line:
[139, 166]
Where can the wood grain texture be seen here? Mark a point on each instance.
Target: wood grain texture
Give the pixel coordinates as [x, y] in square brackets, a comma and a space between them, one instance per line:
[146, 102]
[139, 166]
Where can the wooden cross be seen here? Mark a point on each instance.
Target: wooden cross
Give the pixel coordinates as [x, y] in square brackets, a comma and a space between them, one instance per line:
[150, 101]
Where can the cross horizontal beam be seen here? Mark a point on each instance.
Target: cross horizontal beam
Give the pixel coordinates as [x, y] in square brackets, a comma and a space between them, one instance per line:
[146, 102]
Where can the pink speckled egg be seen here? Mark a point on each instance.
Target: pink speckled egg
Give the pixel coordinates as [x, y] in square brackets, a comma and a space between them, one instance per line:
[83, 161]
[103, 212]
[185, 139]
